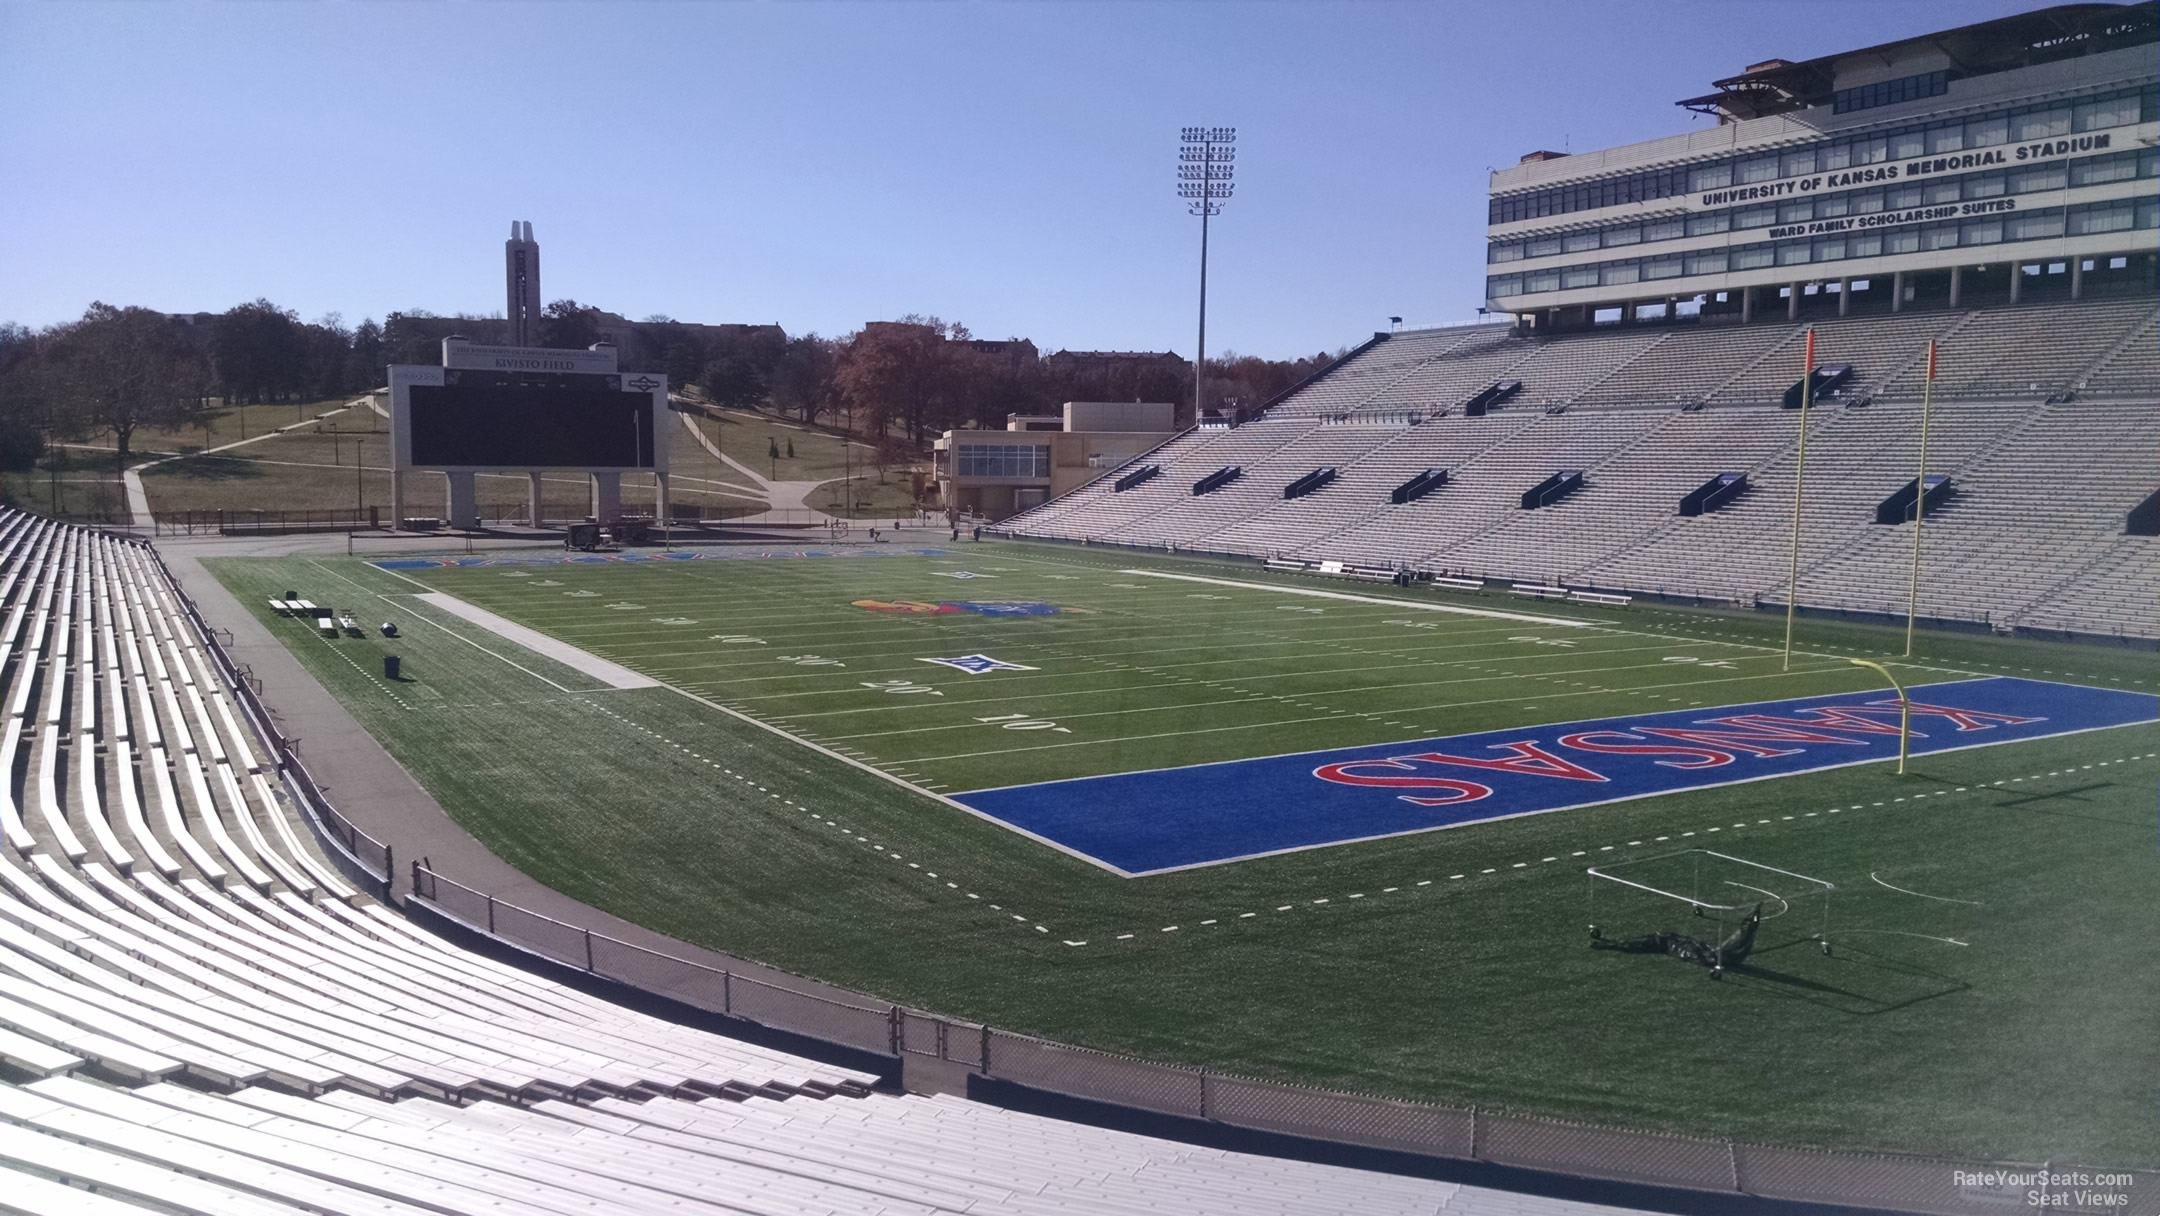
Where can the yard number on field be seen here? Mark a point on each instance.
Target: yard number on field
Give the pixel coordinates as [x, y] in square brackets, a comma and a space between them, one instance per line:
[1534, 639]
[736, 639]
[810, 660]
[902, 688]
[1688, 658]
[1023, 722]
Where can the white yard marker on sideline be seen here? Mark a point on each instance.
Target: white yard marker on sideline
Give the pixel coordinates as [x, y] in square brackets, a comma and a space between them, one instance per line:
[1490, 613]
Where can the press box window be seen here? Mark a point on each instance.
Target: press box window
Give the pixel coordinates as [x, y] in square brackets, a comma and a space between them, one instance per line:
[1014, 460]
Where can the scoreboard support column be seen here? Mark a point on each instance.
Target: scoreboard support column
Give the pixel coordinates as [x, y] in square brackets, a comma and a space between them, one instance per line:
[535, 511]
[607, 498]
[661, 517]
[462, 509]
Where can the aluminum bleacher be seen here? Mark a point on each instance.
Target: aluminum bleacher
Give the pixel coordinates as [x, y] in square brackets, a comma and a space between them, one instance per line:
[1483, 492]
[198, 1014]
[2047, 502]
[1261, 485]
[2032, 536]
[1856, 458]
[2029, 351]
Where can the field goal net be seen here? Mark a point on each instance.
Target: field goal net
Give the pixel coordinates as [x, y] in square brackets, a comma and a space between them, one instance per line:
[1705, 907]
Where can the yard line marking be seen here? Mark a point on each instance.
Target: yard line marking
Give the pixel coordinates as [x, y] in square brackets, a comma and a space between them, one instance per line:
[1411, 605]
[1813, 671]
[1609, 848]
[455, 634]
[1903, 891]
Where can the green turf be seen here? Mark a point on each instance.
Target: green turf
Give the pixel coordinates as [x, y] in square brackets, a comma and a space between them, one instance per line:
[1449, 965]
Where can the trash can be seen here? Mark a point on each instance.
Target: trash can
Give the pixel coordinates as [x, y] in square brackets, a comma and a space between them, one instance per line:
[390, 667]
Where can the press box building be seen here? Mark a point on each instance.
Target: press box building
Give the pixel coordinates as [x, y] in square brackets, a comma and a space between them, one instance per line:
[2005, 160]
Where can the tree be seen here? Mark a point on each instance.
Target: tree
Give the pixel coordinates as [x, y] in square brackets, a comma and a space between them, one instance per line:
[326, 357]
[899, 372]
[888, 452]
[801, 381]
[259, 352]
[23, 400]
[366, 356]
[733, 381]
[569, 325]
[677, 348]
[120, 369]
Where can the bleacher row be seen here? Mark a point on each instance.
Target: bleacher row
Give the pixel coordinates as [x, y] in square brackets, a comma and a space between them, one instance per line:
[2047, 419]
[2025, 351]
[197, 1015]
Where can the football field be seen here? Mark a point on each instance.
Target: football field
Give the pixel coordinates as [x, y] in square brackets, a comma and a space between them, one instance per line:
[1149, 719]
[1314, 829]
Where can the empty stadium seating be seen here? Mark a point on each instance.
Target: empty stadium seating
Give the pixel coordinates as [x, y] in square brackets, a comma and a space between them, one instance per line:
[2046, 418]
[199, 1015]
[2028, 514]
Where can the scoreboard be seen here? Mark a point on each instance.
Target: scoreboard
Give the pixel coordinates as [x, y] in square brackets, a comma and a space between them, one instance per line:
[515, 409]
[516, 425]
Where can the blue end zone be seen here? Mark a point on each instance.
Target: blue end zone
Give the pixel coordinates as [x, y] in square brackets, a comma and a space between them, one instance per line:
[1143, 823]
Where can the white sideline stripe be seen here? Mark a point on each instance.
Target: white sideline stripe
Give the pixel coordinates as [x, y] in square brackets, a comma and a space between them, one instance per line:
[614, 675]
[1382, 601]
[929, 791]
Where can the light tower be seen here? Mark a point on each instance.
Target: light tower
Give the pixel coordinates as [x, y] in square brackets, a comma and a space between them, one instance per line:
[1206, 159]
[521, 283]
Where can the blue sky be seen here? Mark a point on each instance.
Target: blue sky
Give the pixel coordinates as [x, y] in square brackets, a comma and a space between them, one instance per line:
[821, 164]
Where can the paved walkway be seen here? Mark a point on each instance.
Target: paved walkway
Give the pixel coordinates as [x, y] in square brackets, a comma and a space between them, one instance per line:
[368, 786]
[784, 500]
[139, 499]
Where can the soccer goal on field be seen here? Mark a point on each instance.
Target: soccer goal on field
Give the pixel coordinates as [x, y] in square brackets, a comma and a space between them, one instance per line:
[1704, 907]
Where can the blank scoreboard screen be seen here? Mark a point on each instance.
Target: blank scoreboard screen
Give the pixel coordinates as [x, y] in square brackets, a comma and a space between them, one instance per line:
[521, 427]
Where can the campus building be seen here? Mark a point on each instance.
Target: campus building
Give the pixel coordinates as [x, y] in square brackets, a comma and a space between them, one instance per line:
[1038, 457]
[2003, 161]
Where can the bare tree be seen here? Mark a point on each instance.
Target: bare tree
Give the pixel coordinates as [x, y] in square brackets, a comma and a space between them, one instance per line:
[121, 369]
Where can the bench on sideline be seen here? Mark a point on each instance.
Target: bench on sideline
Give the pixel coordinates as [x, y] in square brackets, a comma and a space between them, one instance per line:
[1544, 591]
[1375, 574]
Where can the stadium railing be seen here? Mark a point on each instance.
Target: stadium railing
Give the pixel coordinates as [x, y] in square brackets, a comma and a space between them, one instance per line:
[365, 859]
[1881, 1180]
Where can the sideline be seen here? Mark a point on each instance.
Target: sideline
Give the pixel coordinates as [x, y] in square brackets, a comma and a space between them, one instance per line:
[614, 675]
[1384, 602]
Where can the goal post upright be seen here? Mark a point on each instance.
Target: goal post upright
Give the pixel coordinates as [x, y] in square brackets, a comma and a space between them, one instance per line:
[1792, 577]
